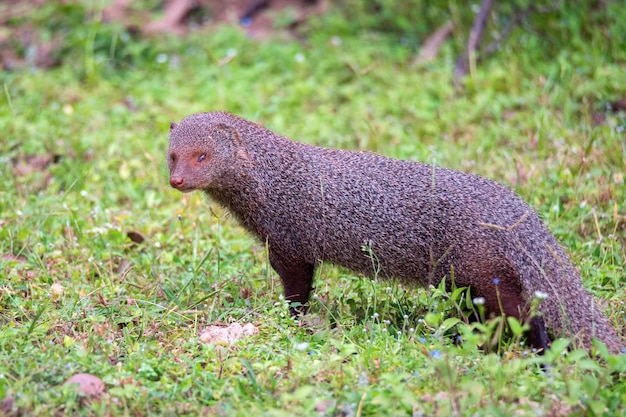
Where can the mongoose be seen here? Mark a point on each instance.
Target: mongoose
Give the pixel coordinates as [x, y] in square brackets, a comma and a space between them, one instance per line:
[422, 222]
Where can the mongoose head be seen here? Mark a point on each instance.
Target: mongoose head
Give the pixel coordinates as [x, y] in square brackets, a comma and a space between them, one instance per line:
[203, 151]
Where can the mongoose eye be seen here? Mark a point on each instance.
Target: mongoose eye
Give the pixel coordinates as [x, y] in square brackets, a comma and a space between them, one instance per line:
[202, 157]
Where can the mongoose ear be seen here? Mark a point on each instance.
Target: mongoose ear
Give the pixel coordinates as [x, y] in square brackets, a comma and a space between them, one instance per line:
[224, 132]
[172, 126]
[228, 132]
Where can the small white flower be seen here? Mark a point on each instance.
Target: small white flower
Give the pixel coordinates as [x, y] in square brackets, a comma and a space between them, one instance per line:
[479, 301]
[301, 346]
[541, 295]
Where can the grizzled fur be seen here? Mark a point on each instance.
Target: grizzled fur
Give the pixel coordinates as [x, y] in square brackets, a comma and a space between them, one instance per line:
[421, 222]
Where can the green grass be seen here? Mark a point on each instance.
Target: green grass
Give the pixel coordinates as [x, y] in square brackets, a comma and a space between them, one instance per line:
[131, 314]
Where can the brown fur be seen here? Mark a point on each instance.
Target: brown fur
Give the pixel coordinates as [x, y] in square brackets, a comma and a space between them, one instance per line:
[422, 222]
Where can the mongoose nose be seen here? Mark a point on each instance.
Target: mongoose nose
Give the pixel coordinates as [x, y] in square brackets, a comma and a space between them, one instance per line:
[177, 182]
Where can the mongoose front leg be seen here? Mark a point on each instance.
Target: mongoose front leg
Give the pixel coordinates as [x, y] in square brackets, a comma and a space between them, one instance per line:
[297, 278]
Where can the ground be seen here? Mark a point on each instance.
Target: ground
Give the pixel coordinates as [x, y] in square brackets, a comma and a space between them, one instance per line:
[111, 279]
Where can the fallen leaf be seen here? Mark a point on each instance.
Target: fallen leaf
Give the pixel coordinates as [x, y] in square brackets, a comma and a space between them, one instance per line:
[136, 237]
[116, 11]
[33, 163]
[124, 267]
[225, 335]
[56, 291]
[324, 405]
[173, 21]
[244, 293]
[88, 385]
[11, 257]
[6, 406]
[433, 43]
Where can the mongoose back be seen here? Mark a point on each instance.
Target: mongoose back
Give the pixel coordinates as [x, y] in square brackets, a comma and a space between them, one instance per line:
[422, 223]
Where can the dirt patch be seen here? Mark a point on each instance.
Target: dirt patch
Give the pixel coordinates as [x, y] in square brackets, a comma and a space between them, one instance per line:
[23, 45]
[258, 18]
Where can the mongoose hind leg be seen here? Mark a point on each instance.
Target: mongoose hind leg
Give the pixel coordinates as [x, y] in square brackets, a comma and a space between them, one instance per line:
[492, 275]
[505, 297]
[538, 335]
[297, 278]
